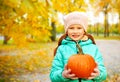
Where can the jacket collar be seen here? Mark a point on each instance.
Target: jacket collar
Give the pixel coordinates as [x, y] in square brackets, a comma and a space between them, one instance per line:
[82, 42]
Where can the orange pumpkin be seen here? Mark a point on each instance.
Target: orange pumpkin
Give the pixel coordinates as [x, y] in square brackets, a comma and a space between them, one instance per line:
[82, 65]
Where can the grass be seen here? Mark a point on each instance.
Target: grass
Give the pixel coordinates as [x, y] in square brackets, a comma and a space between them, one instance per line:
[107, 38]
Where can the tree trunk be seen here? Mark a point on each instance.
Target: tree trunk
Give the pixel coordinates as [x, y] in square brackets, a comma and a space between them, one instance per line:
[119, 17]
[119, 24]
[106, 31]
[97, 29]
[53, 31]
[6, 39]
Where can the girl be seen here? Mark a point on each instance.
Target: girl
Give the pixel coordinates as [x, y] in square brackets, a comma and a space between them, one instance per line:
[75, 24]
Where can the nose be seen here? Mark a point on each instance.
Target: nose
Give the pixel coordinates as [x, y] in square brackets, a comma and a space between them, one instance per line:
[75, 30]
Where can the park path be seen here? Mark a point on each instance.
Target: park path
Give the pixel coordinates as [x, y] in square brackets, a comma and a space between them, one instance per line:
[110, 50]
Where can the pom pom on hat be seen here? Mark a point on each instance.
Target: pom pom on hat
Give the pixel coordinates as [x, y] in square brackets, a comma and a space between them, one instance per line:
[76, 18]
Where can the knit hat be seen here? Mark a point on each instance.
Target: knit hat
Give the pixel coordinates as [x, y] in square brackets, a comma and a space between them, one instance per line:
[76, 18]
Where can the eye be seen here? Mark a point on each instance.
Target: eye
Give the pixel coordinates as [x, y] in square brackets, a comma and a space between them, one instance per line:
[79, 27]
[71, 27]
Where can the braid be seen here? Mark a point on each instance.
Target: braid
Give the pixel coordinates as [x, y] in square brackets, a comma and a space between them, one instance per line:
[59, 42]
[91, 37]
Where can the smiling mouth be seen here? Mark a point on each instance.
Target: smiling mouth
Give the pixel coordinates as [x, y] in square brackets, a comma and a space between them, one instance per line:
[75, 36]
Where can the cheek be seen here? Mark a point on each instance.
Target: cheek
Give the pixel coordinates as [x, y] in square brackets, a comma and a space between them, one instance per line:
[69, 32]
[82, 31]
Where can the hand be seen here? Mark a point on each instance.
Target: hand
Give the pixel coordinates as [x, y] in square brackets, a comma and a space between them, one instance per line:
[95, 73]
[67, 73]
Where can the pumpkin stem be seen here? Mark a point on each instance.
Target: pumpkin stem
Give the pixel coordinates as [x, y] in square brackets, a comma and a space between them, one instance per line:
[79, 48]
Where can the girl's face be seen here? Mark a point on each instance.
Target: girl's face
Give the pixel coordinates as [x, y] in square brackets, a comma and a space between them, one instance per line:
[75, 32]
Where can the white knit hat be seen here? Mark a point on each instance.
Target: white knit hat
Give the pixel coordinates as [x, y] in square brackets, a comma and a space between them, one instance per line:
[76, 18]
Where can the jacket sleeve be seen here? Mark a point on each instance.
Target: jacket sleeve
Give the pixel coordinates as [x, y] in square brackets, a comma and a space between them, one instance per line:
[57, 68]
[101, 67]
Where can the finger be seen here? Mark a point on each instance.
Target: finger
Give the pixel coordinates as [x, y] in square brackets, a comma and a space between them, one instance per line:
[74, 78]
[93, 74]
[96, 65]
[65, 67]
[91, 77]
[68, 71]
[96, 70]
[71, 75]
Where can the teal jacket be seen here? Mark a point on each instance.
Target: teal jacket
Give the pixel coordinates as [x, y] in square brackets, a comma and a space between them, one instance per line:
[67, 49]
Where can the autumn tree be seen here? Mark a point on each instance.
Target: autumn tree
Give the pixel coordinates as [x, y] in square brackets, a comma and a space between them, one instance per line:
[106, 6]
[116, 8]
[24, 19]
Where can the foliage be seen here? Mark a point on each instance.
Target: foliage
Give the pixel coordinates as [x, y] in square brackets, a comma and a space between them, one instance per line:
[11, 65]
[114, 78]
[20, 19]
[36, 57]
[60, 29]
[67, 6]
[98, 28]
[114, 29]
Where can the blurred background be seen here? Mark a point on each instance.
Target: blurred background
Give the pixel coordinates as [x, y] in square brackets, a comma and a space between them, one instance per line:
[30, 29]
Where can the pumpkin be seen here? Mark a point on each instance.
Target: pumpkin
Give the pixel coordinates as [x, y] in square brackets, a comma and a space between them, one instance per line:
[82, 65]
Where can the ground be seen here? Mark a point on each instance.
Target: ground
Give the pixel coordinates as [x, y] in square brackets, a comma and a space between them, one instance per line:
[110, 50]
